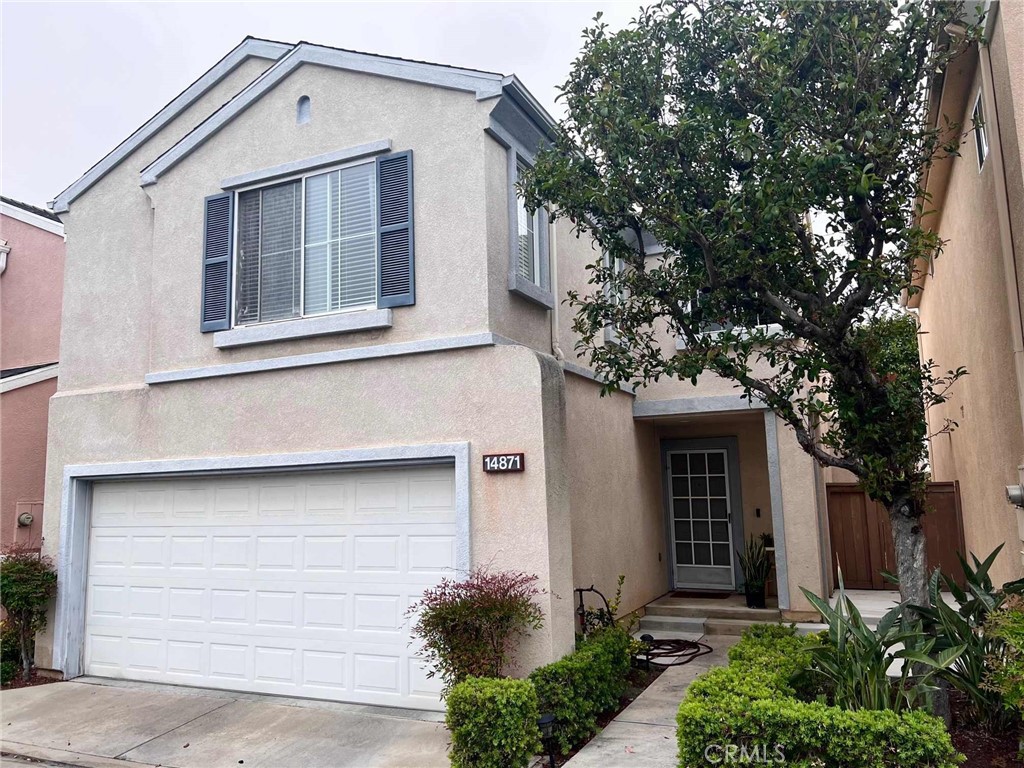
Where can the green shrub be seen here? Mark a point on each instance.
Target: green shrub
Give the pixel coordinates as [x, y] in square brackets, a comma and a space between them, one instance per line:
[582, 685]
[855, 658]
[27, 582]
[750, 707]
[963, 622]
[468, 627]
[493, 723]
[10, 653]
[1005, 674]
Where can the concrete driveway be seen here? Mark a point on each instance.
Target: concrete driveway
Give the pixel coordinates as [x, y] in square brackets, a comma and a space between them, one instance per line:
[102, 724]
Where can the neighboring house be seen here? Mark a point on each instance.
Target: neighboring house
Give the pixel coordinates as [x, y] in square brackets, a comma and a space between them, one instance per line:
[972, 297]
[31, 279]
[303, 306]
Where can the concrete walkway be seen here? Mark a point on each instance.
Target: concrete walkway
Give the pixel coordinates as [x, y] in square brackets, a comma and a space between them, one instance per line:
[109, 723]
[644, 733]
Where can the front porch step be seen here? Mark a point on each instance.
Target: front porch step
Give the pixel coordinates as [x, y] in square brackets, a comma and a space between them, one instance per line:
[687, 624]
[736, 626]
[685, 609]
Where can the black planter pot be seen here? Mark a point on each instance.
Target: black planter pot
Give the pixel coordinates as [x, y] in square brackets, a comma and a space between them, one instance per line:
[755, 597]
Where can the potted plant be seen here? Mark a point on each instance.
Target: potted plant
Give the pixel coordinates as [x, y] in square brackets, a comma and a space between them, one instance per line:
[757, 568]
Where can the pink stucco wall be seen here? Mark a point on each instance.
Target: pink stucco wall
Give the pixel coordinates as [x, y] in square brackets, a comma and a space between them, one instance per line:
[23, 460]
[30, 306]
[30, 294]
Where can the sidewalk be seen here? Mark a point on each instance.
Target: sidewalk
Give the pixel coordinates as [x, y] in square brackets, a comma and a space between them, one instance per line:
[644, 733]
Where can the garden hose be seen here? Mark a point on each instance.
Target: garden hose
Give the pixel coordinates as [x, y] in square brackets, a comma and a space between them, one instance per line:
[671, 652]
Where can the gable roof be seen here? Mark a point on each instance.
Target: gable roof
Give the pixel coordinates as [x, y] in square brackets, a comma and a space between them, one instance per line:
[265, 49]
[31, 214]
[485, 85]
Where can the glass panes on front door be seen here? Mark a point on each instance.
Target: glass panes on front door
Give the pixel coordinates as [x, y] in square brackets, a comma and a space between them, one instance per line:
[701, 519]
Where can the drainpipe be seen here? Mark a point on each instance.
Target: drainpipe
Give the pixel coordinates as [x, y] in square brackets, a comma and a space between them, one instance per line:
[556, 349]
[1005, 234]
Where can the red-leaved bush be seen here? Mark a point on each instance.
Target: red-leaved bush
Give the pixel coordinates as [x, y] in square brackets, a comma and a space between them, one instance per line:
[468, 627]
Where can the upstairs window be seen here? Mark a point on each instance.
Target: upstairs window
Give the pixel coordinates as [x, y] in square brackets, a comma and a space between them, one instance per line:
[527, 236]
[307, 247]
[980, 132]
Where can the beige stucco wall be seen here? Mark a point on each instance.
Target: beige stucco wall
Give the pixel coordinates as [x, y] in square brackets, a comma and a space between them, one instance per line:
[493, 398]
[105, 336]
[965, 317]
[618, 518]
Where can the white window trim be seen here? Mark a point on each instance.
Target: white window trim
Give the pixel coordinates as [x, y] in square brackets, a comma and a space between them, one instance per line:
[267, 184]
[611, 330]
[981, 145]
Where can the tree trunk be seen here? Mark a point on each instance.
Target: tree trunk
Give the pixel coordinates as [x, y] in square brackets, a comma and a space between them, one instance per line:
[908, 541]
[26, 657]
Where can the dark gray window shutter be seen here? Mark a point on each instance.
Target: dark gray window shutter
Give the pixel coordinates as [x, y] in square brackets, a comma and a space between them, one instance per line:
[396, 273]
[217, 230]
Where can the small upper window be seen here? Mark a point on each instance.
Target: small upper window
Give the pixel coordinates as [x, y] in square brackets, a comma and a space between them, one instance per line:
[303, 110]
[528, 253]
[980, 132]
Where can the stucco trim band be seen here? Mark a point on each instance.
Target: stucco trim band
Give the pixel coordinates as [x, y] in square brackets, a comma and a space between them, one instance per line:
[652, 409]
[29, 377]
[344, 322]
[332, 356]
[264, 49]
[72, 571]
[308, 164]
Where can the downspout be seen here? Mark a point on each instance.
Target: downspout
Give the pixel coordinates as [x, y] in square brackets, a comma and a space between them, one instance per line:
[556, 349]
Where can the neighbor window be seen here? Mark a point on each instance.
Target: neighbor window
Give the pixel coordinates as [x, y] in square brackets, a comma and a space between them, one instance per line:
[308, 246]
[528, 236]
[980, 132]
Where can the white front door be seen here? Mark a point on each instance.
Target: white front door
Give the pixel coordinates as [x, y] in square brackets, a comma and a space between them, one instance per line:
[701, 509]
[292, 583]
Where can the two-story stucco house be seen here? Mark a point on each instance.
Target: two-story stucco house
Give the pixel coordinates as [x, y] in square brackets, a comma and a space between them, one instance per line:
[971, 299]
[303, 303]
[31, 279]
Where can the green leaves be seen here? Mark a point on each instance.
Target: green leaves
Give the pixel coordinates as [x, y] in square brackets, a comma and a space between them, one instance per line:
[493, 723]
[27, 583]
[859, 661]
[752, 703]
[774, 150]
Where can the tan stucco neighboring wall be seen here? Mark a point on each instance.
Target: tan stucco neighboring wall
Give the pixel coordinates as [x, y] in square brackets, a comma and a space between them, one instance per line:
[618, 519]
[966, 321]
[491, 397]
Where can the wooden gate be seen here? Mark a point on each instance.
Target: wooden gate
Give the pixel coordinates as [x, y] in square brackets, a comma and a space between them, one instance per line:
[862, 537]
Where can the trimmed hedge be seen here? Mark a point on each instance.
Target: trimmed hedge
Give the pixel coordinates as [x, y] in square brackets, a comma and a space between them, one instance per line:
[582, 685]
[751, 706]
[493, 723]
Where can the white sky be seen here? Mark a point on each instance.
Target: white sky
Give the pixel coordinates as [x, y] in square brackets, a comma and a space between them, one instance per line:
[76, 78]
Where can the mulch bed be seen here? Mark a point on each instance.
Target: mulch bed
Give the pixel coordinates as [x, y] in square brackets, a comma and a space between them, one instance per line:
[982, 749]
[34, 679]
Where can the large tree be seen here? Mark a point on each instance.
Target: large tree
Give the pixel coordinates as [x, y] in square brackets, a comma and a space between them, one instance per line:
[776, 151]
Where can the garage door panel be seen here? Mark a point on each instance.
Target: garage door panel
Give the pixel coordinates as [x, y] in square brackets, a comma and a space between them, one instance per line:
[296, 585]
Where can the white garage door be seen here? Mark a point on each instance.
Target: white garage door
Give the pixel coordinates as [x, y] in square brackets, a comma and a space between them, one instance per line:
[291, 584]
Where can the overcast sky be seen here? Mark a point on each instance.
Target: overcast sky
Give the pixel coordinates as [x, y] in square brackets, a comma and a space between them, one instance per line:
[76, 78]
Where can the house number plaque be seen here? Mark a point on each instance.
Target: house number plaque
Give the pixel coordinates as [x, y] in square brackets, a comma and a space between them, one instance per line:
[504, 462]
